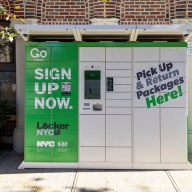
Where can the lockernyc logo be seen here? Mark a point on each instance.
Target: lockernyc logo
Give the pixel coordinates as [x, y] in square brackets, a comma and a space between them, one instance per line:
[38, 54]
[50, 128]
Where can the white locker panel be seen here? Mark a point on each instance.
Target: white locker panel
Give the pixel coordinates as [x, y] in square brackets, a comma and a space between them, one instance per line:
[118, 95]
[118, 103]
[118, 65]
[146, 91]
[118, 73]
[180, 68]
[91, 54]
[146, 135]
[173, 135]
[190, 79]
[114, 154]
[173, 83]
[140, 66]
[122, 88]
[116, 111]
[122, 81]
[92, 130]
[145, 83]
[178, 102]
[92, 154]
[146, 54]
[173, 54]
[120, 54]
[142, 101]
[118, 130]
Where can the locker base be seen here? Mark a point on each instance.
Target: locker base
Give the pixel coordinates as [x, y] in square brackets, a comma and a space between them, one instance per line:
[96, 165]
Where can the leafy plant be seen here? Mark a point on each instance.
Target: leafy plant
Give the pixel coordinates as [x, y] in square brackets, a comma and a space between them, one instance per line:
[2, 9]
[8, 33]
[5, 112]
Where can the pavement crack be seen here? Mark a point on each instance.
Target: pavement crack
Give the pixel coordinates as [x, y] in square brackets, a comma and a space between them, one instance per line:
[74, 181]
[173, 181]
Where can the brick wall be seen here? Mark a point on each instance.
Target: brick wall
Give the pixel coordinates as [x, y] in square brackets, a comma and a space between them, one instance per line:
[81, 11]
[181, 8]
[10, 4]
[112, 9]
[145, 12]
[190, 9]
[62, 12]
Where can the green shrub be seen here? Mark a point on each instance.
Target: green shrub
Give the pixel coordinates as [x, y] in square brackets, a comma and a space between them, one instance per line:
[5, 112]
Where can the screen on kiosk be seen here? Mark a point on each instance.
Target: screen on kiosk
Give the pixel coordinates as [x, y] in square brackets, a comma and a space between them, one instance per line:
[92, 85]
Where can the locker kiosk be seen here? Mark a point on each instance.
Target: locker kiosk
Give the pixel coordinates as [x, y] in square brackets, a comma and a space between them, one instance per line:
[92, 105]
[106, 106]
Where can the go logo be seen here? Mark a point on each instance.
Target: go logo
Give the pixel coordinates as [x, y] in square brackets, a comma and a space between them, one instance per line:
[38, 53]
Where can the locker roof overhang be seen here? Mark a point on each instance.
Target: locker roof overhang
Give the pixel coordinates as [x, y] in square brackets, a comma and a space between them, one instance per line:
[122, 33]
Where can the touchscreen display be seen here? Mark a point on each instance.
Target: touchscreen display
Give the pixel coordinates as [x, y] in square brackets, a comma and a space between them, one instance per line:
[92, 85]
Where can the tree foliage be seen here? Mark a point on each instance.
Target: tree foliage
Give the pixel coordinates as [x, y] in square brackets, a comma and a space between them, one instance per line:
[8, 33]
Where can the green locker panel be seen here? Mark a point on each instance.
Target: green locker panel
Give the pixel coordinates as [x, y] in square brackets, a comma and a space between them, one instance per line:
[64, 153]
[42, 153]
[38, 129]
[67, 53]
[34, 65]
[67, 127]
[38, 74]
[51, 102]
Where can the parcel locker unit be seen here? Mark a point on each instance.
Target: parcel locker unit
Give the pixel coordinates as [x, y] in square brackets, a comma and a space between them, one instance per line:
[145, 107]
[106, 105]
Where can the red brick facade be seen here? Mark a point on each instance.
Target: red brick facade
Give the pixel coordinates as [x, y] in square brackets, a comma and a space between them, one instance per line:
[81, 11]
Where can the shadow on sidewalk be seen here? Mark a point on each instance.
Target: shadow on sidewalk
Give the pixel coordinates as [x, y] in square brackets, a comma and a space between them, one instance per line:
[10, 161]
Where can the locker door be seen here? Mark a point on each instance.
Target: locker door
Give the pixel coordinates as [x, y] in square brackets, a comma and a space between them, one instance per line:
[146, 135]
[118, 104]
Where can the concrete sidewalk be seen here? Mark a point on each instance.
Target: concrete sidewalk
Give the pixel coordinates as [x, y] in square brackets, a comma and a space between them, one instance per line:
[58, 180]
